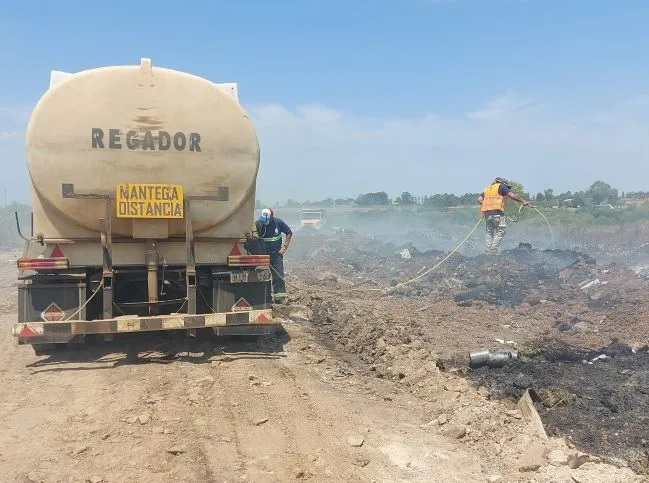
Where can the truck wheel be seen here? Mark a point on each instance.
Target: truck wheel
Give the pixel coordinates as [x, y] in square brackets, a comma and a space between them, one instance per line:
[44, 349]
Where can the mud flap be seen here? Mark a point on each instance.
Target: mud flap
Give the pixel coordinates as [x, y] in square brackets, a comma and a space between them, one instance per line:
[52, 302]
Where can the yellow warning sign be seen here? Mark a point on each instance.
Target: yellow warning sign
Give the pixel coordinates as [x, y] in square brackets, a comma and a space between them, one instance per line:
[143, 200]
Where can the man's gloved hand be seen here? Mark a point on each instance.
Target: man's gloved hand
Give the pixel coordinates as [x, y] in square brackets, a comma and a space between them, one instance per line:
[282, 250]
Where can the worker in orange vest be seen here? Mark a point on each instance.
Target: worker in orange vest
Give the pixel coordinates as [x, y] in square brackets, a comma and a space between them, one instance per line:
[492, 206]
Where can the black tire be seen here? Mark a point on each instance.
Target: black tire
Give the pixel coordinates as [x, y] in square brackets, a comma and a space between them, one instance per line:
[45, 349]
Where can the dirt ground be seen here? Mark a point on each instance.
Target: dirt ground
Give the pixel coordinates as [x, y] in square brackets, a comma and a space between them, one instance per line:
[353, 389]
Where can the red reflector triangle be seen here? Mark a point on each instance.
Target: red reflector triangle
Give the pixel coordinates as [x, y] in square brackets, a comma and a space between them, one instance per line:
[56, 252]
[235, 250]
[263, 318]
[27, 332]
[242, 304]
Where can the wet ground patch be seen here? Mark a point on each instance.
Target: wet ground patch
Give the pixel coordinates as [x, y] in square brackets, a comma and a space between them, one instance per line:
[597, 399]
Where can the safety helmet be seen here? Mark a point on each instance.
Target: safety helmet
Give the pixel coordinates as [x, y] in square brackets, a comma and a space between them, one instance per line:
[504, 181]
[266, 215]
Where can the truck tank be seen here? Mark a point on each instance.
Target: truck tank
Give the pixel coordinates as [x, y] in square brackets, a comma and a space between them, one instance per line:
[139, 124]
[143, 190]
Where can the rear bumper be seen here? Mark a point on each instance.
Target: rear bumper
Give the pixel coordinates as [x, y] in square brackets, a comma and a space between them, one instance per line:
[227, 323]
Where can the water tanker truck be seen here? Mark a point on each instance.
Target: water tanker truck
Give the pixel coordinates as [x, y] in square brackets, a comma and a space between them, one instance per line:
[143, 191]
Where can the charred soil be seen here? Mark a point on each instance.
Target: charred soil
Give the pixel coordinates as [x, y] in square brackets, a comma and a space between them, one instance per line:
[559, 308]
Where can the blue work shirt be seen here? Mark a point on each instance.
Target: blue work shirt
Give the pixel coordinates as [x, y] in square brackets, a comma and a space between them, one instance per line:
[273, 229]
[503, 190]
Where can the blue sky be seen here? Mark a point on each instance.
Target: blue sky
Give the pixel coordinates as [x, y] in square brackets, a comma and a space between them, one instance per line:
[417, 95]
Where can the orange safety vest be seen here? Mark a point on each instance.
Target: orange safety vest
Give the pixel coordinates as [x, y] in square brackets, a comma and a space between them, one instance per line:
[492, 199]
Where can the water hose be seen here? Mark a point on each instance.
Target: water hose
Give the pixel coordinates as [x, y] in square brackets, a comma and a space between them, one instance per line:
[519, 214]
[418, 277]
[384, 289]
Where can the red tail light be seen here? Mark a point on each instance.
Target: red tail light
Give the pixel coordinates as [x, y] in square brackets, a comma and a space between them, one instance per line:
[248, 260]
[51, 263]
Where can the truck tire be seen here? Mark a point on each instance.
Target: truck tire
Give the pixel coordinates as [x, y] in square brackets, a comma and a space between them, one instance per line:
[45, 349]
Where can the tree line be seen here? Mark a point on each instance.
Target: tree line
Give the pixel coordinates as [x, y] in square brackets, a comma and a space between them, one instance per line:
[599, 193]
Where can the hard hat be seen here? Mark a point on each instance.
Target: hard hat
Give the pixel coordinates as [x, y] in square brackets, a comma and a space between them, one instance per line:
[504, 181]
[266, 215]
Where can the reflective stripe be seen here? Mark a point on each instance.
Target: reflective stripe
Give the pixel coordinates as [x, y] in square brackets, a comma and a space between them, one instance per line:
[273, 238]
[492, 200]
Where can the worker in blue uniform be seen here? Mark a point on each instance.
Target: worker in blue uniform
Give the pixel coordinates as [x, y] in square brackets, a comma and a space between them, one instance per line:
[270, 230]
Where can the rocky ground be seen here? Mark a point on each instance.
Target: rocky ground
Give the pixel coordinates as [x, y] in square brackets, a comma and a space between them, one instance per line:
[358, 386]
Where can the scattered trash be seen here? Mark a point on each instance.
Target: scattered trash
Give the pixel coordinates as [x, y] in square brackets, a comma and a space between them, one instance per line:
[585, 285]
[506, 342]
[478, 358]
[405, 254]
[600, 357]
[493, 359]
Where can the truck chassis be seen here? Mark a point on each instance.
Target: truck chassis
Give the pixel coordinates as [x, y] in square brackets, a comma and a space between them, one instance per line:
[239, 291]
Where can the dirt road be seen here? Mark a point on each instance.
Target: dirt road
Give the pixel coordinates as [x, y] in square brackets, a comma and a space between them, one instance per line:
[285, 408]
[169, 409]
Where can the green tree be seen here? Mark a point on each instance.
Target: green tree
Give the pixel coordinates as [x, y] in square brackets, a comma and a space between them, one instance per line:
[407, 199]
[372, 199]
[601, 192]
[519, 189]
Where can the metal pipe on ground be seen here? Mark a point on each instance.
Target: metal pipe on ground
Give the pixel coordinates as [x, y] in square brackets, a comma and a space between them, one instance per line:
[493, 359]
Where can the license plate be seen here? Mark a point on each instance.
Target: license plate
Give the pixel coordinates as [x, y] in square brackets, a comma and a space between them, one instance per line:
[238, 277]
[263, 275]
[147, 200]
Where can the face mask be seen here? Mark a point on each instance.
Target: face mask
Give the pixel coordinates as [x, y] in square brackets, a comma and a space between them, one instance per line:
[265, 220]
